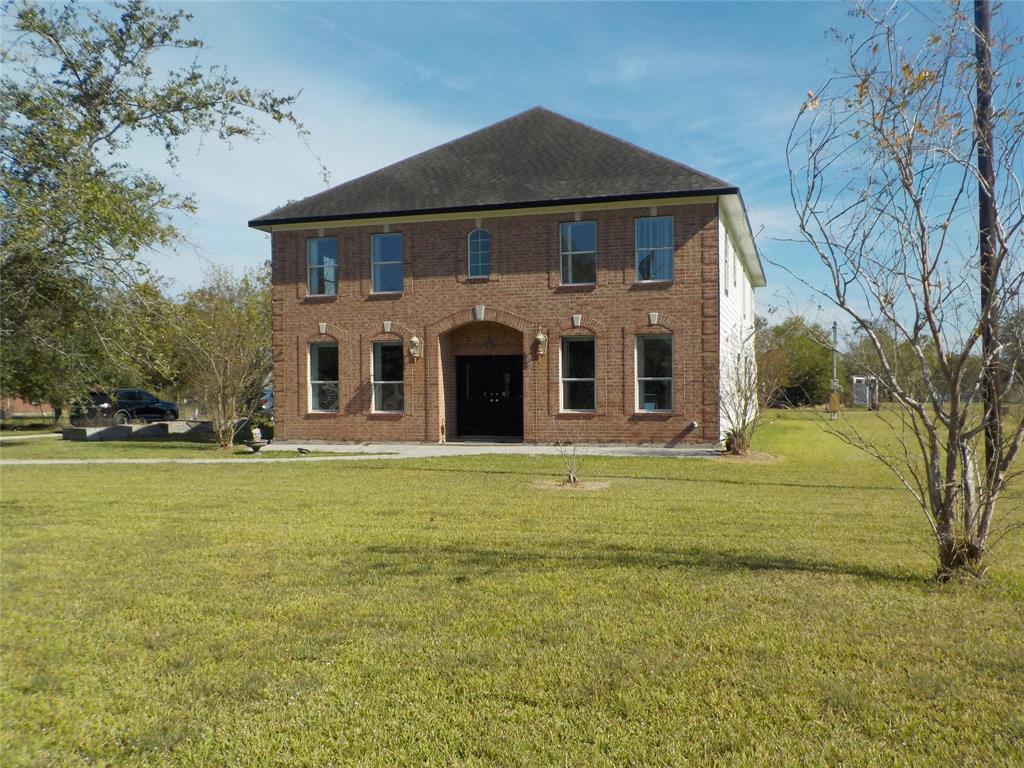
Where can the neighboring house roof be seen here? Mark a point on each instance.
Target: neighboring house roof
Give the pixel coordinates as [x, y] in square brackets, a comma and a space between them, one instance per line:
[535, 158]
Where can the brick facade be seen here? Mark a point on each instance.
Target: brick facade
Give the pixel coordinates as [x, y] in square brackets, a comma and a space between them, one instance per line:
[522, 297]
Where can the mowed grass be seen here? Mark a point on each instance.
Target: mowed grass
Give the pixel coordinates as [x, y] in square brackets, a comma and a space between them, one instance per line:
[141, 448]
[452, 612]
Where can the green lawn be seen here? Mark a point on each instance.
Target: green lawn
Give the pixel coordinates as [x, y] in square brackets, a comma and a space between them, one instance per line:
[140, 448]
[452, 611]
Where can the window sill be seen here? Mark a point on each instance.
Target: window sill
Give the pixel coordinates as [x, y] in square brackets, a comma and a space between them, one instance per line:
[319, 297]
[478, 279]
[385, 295]
[321, 413]
[652, 284]
[577, 414]
[575, 287]
[386, 414]
[656, 415]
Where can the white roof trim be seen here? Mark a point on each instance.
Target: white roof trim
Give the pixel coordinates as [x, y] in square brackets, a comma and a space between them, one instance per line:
[734, 216]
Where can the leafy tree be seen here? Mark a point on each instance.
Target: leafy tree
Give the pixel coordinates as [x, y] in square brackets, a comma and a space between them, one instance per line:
[80, 85]
[799, 356]
[222, 337]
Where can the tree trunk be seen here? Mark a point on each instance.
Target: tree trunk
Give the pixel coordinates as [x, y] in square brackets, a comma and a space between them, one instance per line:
[989, 267]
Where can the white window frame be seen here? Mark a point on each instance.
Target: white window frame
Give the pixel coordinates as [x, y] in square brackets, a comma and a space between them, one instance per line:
[312, 381]
[670, 379]
[726, 258]
[562, 380]
[374, 263]
[310, 269]
[562, 253]
[470, 253]
[373, 376]
[671, 248]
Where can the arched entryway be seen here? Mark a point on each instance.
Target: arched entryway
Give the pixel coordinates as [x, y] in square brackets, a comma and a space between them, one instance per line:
[482, 381]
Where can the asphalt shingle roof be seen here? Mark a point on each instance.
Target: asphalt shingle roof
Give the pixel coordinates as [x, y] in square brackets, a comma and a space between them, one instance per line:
[537, 157]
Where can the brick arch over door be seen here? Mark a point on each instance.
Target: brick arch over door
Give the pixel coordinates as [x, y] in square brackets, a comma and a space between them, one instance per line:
[491, 314]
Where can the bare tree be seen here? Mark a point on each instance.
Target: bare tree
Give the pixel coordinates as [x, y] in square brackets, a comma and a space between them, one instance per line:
[571, 448]
[223, 338]
[888, 163]
[750, 385]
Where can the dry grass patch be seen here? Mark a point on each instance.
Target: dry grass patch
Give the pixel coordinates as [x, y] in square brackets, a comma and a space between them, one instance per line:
[562, 485]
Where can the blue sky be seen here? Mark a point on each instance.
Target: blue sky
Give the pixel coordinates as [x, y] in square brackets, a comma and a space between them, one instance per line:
[713, 85]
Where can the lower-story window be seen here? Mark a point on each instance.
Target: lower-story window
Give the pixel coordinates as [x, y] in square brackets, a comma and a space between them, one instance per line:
[323, 377]
[578, 367]
[654, 373]
[388, 377]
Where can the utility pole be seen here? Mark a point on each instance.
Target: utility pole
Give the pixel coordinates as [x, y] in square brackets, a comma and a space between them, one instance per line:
[986, 236]
[834, 402]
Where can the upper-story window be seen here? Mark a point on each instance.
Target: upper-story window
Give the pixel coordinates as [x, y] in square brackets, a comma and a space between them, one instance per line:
[479, 253]
[388, 263]
[579, 252]
[726, 260]
[322, 266]
[654, 248]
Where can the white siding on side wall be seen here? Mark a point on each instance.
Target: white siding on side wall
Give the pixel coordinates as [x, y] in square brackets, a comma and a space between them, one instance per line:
[737, 310]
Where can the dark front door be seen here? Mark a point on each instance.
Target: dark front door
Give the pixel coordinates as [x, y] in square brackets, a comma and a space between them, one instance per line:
[489, 392]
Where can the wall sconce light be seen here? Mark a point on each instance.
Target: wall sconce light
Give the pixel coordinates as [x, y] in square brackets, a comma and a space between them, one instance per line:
[541, 342]
[416, 347]
[322, 327]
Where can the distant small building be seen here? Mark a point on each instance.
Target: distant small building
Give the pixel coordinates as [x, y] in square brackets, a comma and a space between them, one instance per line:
[864, 391]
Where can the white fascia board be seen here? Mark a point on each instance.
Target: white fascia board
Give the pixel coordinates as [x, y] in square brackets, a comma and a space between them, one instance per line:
[734, 216]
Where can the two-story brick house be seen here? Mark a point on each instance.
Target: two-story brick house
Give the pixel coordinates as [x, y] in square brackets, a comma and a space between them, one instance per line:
[535, 279]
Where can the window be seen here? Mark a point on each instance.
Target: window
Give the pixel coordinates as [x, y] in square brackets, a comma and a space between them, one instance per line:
[388, 376]
[654, 373]
[323, 377]
[579, 252]
[479, 253]
[578, 372]
[654, 248]
[322, 266]
[388, 264]
[726, 258]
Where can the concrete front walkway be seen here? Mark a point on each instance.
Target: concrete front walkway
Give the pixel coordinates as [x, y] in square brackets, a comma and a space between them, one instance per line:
[370, 451]
[10, 437]
[479, 448]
